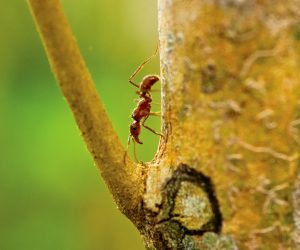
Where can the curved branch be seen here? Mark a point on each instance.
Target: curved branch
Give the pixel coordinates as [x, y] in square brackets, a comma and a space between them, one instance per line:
[124, 181]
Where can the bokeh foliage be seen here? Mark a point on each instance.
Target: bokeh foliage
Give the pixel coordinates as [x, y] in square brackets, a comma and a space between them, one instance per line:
[51, 195]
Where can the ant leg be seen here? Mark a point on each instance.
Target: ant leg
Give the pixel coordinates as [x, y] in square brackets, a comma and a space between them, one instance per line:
[134, 84]
[134, 151]
[141, 66]
[155, 103]
[125, 153]
[155, 90]
[158, 113]
[152, 130]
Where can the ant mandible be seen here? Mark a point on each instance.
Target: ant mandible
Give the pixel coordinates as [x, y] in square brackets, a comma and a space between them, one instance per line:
[141, 113]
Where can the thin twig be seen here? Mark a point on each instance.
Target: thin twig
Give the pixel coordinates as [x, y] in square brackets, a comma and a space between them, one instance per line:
[124, 181]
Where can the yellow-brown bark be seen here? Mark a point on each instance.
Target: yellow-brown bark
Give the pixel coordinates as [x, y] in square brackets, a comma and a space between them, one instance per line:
[231, 104]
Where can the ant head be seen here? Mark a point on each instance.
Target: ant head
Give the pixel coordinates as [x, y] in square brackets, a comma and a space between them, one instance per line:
[148, 82]
[135, 129]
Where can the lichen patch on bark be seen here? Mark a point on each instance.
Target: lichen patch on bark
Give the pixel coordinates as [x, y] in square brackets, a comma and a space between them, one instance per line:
[192, 207]
[186, 205]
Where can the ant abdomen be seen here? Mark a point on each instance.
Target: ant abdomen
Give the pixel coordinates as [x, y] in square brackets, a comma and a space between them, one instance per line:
[148, 82]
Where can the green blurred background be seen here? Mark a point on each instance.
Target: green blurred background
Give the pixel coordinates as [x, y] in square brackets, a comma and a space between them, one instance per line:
[51, 195]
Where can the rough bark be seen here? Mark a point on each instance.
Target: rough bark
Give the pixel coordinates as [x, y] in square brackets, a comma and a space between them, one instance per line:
[226, 168]
[231, 96]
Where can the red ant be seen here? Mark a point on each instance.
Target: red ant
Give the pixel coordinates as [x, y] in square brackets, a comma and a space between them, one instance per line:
[141, 113]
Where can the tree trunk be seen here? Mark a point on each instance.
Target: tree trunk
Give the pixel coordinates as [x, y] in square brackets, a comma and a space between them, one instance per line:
[226, 168]
[231, 97]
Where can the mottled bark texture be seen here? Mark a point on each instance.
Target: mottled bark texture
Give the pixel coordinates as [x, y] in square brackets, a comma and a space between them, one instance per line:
[227, 166]
[231, 109]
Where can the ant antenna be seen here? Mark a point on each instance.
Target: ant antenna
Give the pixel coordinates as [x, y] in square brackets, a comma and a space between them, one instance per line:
[142, 65]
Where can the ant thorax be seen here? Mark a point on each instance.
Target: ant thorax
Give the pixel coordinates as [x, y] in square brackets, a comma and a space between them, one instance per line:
[143, 108]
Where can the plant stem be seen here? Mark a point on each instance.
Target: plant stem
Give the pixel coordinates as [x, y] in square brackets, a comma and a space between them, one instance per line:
[123, 180]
